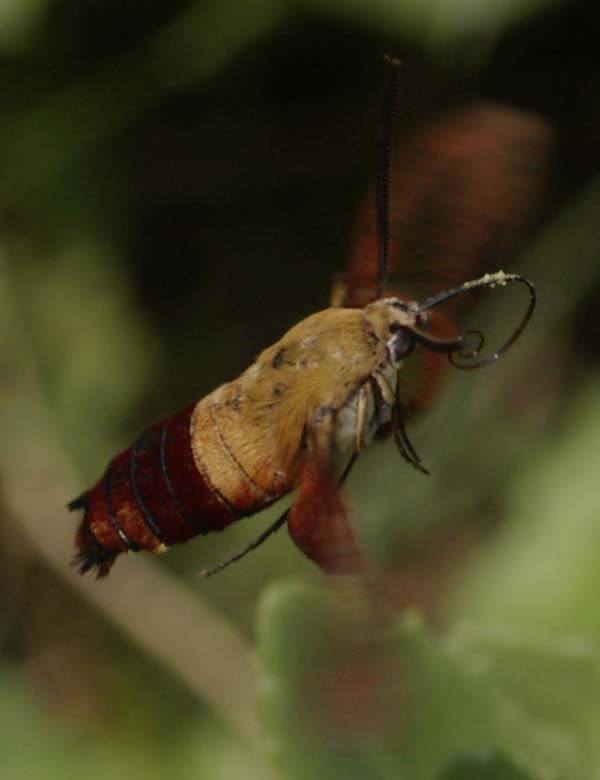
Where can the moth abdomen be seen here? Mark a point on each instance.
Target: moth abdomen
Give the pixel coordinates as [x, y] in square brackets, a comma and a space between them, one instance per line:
[152, 495]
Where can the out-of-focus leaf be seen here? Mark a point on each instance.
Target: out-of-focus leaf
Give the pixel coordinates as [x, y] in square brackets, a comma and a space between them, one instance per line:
[543, 569]
[425, 705]
[35, 746]
[484, 767]
[554, 679]
[216, 753]
[90, 344]
[19, 21]
[436, 23]
[299, 630]
[69, 124]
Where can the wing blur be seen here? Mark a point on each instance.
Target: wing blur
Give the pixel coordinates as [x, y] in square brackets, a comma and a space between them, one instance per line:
[464, 189]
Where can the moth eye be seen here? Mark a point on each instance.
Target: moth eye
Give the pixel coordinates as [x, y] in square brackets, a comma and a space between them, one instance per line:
[395, 327]
[402, 344]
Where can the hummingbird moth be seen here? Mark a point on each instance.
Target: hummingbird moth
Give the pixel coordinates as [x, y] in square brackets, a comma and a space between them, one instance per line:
[317, 397]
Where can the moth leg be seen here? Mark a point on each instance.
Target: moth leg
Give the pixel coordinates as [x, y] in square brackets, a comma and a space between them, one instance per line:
[248, 548]
[387, 394]
[318, 521]
[403, 443]
[362, 421]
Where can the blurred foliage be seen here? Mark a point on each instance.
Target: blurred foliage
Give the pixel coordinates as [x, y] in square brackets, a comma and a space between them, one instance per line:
[19, 22]
[474, 694]
[178, 186]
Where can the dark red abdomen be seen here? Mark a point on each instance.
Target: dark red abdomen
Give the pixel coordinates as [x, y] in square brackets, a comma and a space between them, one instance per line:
[151, 496]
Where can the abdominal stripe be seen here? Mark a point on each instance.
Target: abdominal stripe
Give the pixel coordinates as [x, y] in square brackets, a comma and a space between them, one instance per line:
[170, 489]
[131, 545]
[146, 514]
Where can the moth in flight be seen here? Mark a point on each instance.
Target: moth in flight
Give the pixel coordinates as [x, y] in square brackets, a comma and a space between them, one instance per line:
[463, 187]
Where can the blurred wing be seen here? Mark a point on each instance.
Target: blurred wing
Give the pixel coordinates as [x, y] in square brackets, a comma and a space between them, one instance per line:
[318, 521]
[463, 190]
[319, 524]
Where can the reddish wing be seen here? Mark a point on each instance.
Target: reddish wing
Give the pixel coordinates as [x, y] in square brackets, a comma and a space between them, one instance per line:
[318, 521]
[463, 189]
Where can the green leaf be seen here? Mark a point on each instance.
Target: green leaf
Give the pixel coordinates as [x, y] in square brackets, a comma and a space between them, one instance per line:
[345, 691]
[556, 681]
[299, 636]
[543, 569]
[190, 50]
[438, 23]
[91, 347]
[19, 22]
[484, 767]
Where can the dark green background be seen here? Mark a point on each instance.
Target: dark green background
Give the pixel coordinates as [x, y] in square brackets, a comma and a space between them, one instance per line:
[177, 188]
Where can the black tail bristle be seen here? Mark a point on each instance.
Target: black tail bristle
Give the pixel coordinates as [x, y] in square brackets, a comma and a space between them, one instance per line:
[91, 554]
[98, 559]
[80, 502]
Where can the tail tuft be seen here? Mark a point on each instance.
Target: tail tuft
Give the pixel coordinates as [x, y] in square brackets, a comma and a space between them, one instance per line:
[80, 502]
[99, 559]
[90, 553]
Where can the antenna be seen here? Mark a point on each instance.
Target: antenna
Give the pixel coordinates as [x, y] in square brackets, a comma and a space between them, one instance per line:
[385, 145]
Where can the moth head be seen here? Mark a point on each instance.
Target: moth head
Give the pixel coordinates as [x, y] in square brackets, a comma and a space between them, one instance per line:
[404, 324]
